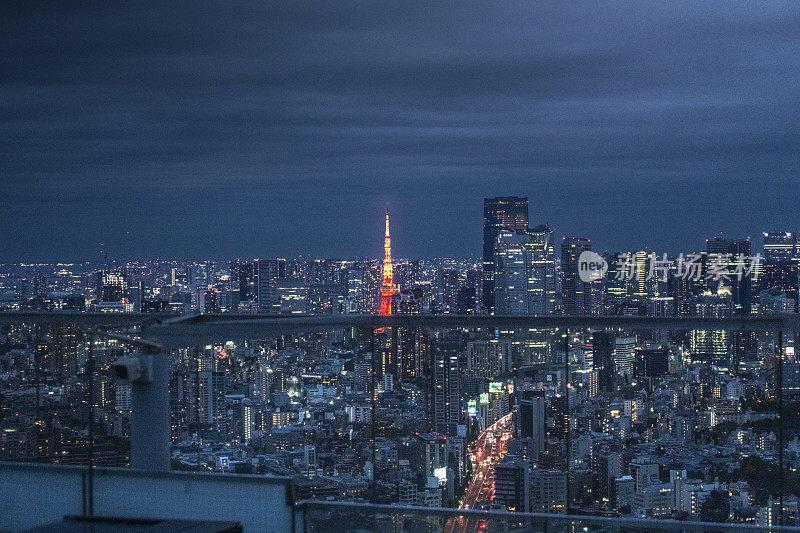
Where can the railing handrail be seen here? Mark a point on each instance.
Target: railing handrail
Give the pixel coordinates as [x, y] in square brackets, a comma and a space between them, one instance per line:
[184, 330]
[168, 321]
[552, 517]
[132, 472]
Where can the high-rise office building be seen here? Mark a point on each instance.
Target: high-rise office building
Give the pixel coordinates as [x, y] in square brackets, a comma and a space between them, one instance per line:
[525, 284]
[524, 277]
[775, 302]
[512, 484]
[291, 297]
[262, 381]
[711, 345]
[641, 285]
[449, 283]
[207, 402]
[407, 274]
[735, 256]
[408, 301]
[624, 355]
[414, 346]
[319, 272]
[651, 363]
[111, 287]
[387, 340]
[780, 275]
[372, 283]
[246, 278]
[266, 271]
[446, 387]
[247, 421]
[548, 491]
[780, 246]
[488, 358]
[431, 454]
[465, 301]
[309, 461]
[65, 350]
[618, 287]
[355, 291]
[609, 467]
[532, 421]
[732, 256]
[122, 398]
[573, 290]
[210, 301]
[679, 289]
[413, 343]
[510, 212]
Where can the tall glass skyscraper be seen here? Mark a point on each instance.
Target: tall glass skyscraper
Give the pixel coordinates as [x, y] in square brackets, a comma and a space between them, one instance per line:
[573, 290]
[728, 253]
[266, 272]
[780, 246]
[524, 282]
[507, 212]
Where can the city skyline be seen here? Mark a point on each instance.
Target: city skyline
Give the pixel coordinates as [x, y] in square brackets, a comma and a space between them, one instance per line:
[370, 266]
[608, 420]
[118, 253]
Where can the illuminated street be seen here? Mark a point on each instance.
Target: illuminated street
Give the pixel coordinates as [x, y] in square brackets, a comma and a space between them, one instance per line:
[491, 446]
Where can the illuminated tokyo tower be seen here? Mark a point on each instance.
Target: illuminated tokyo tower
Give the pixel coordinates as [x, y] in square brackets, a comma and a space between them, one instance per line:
[387, 290]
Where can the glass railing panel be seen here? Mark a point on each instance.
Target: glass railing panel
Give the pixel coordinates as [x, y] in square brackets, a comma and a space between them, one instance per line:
[596, 421]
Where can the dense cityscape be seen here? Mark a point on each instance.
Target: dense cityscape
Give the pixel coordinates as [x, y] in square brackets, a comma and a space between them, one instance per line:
[601, 421]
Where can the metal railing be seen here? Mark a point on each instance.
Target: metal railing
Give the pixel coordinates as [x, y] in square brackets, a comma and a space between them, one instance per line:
[321, 516]
[156, 334]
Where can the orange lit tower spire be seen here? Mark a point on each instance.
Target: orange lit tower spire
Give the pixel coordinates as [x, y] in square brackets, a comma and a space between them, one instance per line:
[387, 290]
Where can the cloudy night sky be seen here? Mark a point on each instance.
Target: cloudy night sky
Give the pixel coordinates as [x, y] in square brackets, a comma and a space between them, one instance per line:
[275, 129]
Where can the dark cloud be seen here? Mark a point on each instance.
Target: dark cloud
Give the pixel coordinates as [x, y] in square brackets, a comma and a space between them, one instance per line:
[225, 129]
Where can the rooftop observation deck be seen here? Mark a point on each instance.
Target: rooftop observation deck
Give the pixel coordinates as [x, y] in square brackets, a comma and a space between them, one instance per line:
[34, 495]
